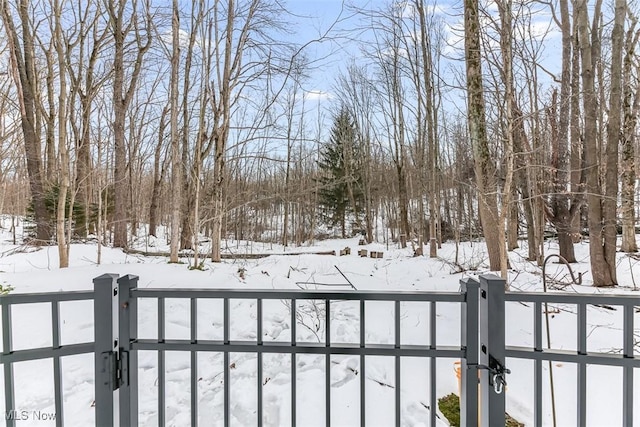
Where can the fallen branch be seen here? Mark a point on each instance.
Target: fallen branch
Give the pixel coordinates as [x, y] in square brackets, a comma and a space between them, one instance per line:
[227, 256]
[345, 278]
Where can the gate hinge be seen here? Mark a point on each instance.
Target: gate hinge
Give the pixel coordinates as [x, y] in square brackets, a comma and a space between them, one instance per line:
[122, 368]
[117, 363]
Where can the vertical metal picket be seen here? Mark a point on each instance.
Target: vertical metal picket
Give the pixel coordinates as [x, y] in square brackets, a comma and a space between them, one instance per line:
[57, 368]
[492, 349]
[581, 383]
[162, 363]
[627, 376]
[193, 322]
[104, 356]
[469, 365]
[127, 331]
[7, 346]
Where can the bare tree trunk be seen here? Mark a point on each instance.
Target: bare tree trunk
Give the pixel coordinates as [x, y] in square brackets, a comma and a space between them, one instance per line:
[603, 274]
[506, 48]
[63, 250]
[99, 231]
[158, 176]
[577, 156]
[23, 70]
[563, 207]
[614, 125]
[221, 130]
[292, 99]
[83, 179]
[512, 223]
[50, 118]
[188, 183]
[631, 108]
[176, 167]
[484, 167]
[200, 139]
[122, 96]
[84, 144]
[522, 157]
[431, 132]
[120, 194]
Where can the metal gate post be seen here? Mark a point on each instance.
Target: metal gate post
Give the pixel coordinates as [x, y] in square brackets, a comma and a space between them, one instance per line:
[7, 347]
[104, 290]
[492, 350]
[128, 360]
[469, 364]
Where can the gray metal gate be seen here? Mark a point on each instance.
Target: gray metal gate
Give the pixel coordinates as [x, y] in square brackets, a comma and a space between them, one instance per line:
[129, 344]
[482, 350]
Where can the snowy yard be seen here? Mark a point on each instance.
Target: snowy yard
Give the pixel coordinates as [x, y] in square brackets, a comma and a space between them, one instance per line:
[35, 270]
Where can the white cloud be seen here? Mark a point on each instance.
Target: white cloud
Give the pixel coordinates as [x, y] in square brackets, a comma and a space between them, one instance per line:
[317, 95]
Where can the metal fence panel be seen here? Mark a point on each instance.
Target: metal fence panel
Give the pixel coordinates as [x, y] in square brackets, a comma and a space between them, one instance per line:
[56, 351]
[482, 351]
[327, 348]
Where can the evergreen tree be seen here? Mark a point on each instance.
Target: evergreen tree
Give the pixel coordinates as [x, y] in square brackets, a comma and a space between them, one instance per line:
[340, 193]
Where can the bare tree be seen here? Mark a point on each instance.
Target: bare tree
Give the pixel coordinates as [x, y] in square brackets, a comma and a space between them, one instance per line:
[159, 171]
[506, 49]
[393, 102]
[563, 206]
[239, 28]
[483, 164]
[630, 108]
[421, 49]
[176, 167]
[64, 176]
[122, 23]
[602, 255]
[85, 80]
[293, 130]
[614, 126]
[23, 70]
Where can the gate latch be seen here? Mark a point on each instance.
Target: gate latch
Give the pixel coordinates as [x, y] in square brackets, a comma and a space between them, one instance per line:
[497, 373]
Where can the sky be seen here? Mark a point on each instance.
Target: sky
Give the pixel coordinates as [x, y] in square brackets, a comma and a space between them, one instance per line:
[332, 19]
[314, 17]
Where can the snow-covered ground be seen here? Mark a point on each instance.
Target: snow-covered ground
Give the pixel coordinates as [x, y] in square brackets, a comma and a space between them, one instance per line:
[35, 270]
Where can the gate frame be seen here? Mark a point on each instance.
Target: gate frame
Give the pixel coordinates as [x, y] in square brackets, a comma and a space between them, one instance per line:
[472, 329]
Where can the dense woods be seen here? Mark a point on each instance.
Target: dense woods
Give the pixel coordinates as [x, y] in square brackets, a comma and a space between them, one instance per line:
[510, 122]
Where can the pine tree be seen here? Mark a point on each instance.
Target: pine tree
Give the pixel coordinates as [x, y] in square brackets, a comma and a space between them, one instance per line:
[340, 193]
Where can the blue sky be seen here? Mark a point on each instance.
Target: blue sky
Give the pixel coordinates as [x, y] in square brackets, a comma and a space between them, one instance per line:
[316, 16]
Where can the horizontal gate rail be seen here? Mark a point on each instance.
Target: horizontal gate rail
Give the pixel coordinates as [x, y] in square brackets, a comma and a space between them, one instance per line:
[572, 299]
[41, 297]
[299, 348]
[257, 294]
[46, 352]
[627, 359]
[567, 356]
